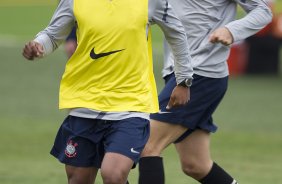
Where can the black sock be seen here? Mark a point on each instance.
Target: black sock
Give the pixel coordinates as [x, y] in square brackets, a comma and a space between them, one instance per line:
[151, 170]
[217, 176]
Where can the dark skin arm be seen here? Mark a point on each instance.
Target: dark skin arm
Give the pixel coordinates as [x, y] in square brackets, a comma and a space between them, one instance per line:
[33, 50]
[179, 96]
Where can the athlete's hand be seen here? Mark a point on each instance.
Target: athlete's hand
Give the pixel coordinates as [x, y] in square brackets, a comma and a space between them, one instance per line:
[33, 50]
[221, 35]
[179, 96]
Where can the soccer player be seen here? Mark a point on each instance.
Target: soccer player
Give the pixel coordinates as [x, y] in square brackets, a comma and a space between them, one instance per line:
[211, 28]
[108, 84]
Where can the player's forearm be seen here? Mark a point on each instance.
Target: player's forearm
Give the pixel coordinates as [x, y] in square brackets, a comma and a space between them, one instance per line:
[165, 17]
[182, 60]
[59, 27]
[253, 22]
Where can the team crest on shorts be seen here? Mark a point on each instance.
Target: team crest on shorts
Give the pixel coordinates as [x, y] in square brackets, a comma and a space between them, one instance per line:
[70, 150]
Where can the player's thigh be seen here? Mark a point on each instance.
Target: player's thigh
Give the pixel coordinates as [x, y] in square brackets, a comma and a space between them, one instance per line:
[116, 167]
[85, 175]
[161, 135]
[195, 149]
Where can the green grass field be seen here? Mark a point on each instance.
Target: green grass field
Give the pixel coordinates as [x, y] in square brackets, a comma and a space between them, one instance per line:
[248, 143]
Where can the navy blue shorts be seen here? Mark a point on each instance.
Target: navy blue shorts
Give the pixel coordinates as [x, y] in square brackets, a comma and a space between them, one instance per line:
[206, 93]
[83, 142]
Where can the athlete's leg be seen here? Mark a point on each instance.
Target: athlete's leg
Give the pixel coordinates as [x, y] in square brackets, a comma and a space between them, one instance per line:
[194, 153]
[194, 149]
[161, 135]
[123, 143]
[151, 170]
[81, 175]
[115, 168]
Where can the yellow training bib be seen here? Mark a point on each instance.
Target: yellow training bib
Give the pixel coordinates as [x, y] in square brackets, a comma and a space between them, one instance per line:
[111, 69]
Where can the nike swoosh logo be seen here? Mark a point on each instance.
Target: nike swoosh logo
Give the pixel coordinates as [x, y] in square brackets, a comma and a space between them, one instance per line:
[93, 55]
[133, 151]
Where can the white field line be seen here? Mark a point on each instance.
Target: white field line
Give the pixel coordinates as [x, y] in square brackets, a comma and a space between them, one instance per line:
[13, 41]
[10, 41]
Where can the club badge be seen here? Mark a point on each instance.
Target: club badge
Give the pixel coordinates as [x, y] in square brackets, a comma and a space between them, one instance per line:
[70, 150]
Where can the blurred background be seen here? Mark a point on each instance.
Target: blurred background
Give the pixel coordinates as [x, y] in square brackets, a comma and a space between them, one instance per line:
[249, 140]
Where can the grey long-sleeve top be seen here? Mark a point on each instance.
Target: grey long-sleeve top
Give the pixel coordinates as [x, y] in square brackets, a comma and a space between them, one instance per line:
[201, 17]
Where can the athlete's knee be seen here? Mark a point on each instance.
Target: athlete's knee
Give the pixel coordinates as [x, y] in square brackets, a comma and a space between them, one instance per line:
[195, 169]
[113, 177]
[110, 179]
[72, 177]
[78, 178]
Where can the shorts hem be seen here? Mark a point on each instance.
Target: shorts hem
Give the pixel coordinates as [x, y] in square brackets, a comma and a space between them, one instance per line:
[170, 121]
[75, 164]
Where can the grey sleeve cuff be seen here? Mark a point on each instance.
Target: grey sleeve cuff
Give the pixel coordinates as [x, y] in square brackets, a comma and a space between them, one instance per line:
[46, 42]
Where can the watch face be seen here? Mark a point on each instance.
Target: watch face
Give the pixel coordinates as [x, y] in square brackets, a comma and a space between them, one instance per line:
[188, 82]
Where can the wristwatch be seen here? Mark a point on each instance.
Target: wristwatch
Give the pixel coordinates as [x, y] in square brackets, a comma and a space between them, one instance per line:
[186, 83]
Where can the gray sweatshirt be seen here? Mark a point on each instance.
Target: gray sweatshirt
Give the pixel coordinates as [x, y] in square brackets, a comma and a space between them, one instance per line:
[201, 17]
[160, 13]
